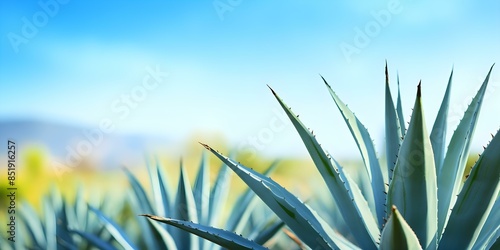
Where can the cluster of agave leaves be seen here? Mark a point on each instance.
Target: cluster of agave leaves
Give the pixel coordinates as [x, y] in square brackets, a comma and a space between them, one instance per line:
[419, 200]
[80, 225]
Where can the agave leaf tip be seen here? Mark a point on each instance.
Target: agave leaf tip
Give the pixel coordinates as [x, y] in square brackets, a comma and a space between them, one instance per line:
[324, 80]
[154, 217]
[393, 208]
[386, 73]
[419, 89]
[205, 145]
[272, 90]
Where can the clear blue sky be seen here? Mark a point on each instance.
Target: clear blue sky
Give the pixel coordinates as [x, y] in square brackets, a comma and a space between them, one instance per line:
[82, 56]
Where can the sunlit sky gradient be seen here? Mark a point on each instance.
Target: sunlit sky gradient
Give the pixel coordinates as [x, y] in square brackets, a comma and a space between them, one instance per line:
[89, 53]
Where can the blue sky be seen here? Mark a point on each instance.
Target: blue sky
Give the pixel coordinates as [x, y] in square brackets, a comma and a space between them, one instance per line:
[85, 55]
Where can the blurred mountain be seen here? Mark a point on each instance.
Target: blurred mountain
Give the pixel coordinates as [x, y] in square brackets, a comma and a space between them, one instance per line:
[74, 145]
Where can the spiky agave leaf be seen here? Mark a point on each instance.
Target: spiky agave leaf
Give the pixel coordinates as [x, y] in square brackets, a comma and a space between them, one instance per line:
[159, 188]
[452, 170]
[262, 234]
[438, 133]
[219, 194]
[201, 190]
[304, 221]
[184, 208]
[168, 240]
[397, 234]
[368, 153]
[143, 204]
[393, 136]
[475, 201]
[362, 223]
[94, 240]
[491, 228]
[399, 110]
[245, 203]
[413, 188]
[221, 237]
[139, 192]
[114, 229]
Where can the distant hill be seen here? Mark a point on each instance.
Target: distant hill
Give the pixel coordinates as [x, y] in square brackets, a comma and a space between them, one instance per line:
[66, 143]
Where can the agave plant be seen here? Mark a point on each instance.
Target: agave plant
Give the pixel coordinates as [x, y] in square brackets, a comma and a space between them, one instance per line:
[56, 226]
[107, 224]
[198, 203]
[418, 200]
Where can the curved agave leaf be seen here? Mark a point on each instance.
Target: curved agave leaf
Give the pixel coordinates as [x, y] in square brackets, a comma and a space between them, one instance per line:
[246, 202]
[450, 176]
[397, 234]
[50, 224]
[267, 232]
[139, 192]
[143, 206]
[301, 219]
[361, 221]
[184, 208]
[491, 228]
[218, 195]
[164, 188]
[223, 238]
[94, 240]
[158, 185]
[29, 217]
[413, 188]
[201, 190]
[354, 191]
[399, 109]
[393, 136]
[494, 244]
[168, 241]
[475, 201]
[64, 237]
[115, 230]
[368, 153]
[438, 133]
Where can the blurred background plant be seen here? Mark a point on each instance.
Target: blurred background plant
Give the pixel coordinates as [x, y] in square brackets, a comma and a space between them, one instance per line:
[85, 208]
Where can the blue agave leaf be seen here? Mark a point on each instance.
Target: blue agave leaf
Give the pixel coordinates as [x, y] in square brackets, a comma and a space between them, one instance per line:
[94, 240]
[308, 226]
[361, 221]
[218, 195]
[184, 208]
[223, 238]
[116, 231]
[393, 134]
[475, 201]
[413, 189]
[168, 240]
[397, 234]
[438, 133]
[452, 170]
[368, 153]
[244, 206]
[491, 228]
[201, 190]
[399, 109]
[139, 192]
[157, 189]
[266, 233]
